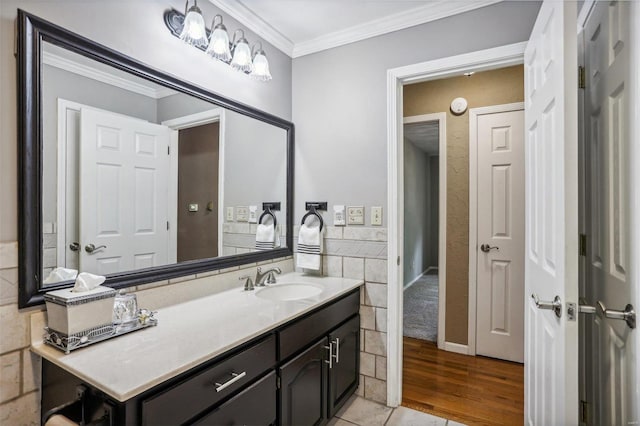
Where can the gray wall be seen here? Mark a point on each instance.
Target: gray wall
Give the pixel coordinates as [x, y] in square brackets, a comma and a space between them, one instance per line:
[137, 29]
[417, 211]
[339, 99]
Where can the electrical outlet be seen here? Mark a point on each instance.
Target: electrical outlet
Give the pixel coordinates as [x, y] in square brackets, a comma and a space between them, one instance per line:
[355, 215]
[376, 216]
[338, 216]
[253, 214]
[229, 214]
[242, 213]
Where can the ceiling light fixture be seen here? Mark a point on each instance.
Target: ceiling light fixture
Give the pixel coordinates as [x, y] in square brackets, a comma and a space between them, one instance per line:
[191, 28]
[469, 74]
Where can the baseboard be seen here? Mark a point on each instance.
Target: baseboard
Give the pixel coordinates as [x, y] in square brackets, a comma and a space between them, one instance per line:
[431, 268]
[412, 282]
[456, 347]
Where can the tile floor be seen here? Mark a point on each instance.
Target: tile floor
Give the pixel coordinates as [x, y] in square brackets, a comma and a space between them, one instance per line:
[363, 412]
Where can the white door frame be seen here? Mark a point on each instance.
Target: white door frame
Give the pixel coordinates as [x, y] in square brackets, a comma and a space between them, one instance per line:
[474, 113]
[483, 60]
[441, 118]
[185, 122]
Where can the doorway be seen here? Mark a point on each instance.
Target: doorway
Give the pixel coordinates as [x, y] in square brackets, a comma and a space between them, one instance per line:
[494, 126]
[425, 192]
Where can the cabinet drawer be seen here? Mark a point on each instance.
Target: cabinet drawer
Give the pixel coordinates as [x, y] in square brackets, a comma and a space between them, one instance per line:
[253, 406]
[306, 330]
[197, 393]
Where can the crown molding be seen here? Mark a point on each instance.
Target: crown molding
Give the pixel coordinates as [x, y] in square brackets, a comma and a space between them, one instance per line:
[255, 23]
[409, 18]
[104, 77]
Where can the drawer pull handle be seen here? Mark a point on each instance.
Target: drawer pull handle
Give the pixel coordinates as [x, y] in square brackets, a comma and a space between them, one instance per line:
[232, 380]
[330, 361]
[337, 345]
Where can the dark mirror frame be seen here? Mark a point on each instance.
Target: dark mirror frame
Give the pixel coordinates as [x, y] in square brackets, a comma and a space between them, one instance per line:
[32, 31]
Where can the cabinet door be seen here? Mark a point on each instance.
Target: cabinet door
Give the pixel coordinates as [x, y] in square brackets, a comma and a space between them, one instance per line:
[303, 399]
[344, 373]
[254, 406]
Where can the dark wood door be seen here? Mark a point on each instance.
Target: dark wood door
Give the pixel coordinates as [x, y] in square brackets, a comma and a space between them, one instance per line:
[344, 373]
[254, 406]
[303, 400]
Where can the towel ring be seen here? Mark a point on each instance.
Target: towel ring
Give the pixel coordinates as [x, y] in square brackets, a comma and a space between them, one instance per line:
[315, 213]
[268, 211]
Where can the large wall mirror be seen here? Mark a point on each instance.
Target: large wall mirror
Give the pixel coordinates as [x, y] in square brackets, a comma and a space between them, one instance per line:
[133, 174]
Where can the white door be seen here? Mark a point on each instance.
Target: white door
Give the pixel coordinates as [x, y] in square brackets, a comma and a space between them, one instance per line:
[551, 216]
[612, 393]
[500, 258]
[124, 165]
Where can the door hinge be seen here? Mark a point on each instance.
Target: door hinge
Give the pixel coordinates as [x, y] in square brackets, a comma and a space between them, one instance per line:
[167, 225]
[278, 382]
[398, 261]
[168, 150]
[582, 245]
[584, 412]
[581, 78]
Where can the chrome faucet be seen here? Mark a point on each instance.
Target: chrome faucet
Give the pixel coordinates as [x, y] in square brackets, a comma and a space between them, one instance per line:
[248, 283]
[267, 276]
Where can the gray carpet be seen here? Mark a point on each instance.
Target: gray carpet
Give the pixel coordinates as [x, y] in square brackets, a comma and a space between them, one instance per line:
[421, 309]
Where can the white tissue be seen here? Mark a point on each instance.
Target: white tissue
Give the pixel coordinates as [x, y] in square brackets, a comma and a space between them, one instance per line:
[86, 281]
[60, 274]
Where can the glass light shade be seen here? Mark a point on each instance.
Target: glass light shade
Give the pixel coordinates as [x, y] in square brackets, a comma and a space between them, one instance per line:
[261, 67]
[242, 57]
[194, 31]
[219, 44]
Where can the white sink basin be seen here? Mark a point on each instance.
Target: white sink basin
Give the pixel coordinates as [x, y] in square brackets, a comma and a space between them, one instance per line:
[292, 291]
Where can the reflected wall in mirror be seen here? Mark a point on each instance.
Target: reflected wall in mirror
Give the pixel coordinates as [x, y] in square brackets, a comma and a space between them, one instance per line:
[135, 174]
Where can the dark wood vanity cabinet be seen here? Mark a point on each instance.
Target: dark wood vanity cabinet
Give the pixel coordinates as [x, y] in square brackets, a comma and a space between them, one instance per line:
[316, 383]
[298, 374]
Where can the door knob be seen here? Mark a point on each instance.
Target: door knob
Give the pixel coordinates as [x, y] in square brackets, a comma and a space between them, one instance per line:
[487, 248]
[90, 248]
[74, 246]
[628, 315]
[555, 306]
[585, 308]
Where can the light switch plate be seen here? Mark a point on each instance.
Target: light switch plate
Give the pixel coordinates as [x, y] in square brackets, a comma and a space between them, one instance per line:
[376, 216]
[355, 215]
[193, 207]
[242, 213]
[253, 214]
[229, 214]
[339, 215]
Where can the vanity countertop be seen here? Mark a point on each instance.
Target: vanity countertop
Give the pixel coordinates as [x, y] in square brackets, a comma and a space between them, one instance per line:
[187, 335]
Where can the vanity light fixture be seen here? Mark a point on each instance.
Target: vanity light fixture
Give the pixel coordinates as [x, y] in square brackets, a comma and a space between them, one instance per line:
[219, 47]
[260, 64]
[194, 31]
[241, 53]
[191, 29]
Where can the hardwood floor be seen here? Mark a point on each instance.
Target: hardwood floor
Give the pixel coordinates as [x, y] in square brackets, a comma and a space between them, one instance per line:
[472, 390]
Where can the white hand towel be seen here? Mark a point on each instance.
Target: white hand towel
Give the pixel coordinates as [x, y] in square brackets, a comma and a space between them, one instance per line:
[265, 236]
[309, 247]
